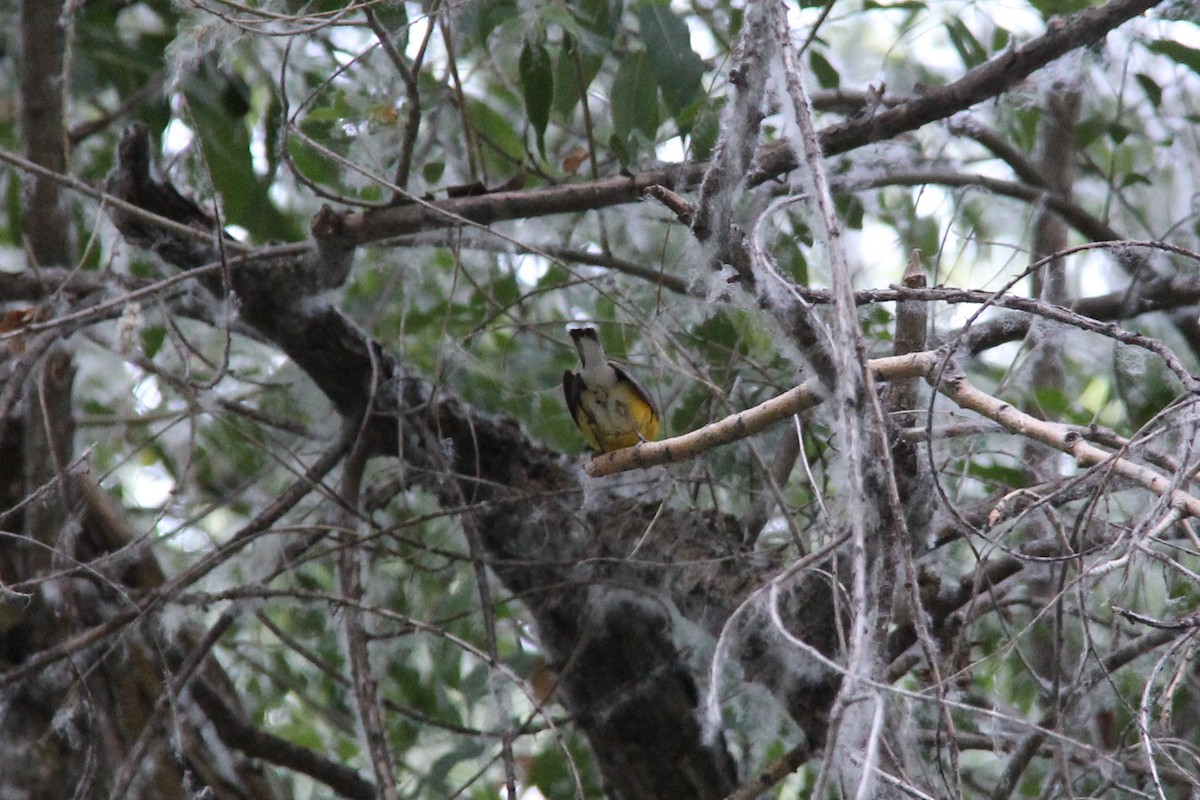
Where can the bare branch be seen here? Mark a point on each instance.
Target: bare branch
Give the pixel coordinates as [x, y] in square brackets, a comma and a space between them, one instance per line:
[749, 422]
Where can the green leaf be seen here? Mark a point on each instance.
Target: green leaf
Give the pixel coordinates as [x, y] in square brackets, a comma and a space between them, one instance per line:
[1143, 387]
[969, 49]
[621, 151]
[499, 133]
[554, 276]
[634, 103]
[393, 16]
[589, 27]
[308, 160]
[794, 262]
[903, 5]
[1135, 179]
[566, 78]
[1118, 132]
[480, 19]
[1053, 402]
[505, 291]
[141, 268]
[669, 45]
[536, 74]
[926, 234]
[437, 774]
[1001, 38]
[97, 409]
[111, 54]
[432, 171]
[1181, 54]
[851, 209]
[994, 474]
[706, 129]
[1087, 131]
[218, 102]
[1059, 8]
[1150, 87]
[552, 773]
[595, 36]
[153, 337]
[567, 83]
[827, 76]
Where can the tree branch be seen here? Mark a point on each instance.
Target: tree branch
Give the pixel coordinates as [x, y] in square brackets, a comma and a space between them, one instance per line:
[239, 734]
[984, 82]
[624, 640]
[1093, 228]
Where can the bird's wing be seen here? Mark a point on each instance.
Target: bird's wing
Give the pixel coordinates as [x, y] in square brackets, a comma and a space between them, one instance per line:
[572, 386]
[637, 386]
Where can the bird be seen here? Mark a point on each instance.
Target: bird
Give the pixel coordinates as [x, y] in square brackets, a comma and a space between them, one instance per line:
[608, 404]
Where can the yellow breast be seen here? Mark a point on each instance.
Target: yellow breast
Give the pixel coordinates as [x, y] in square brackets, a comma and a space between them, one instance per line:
[615, 418]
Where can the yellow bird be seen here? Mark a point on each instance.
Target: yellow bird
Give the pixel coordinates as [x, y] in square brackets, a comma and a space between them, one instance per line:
[610, 407]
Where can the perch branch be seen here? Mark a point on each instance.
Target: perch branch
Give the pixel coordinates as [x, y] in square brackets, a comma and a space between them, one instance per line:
[1062, 437]
[751, 421]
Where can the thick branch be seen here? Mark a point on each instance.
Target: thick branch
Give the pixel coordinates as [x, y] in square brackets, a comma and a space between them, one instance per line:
[614, 648]
[237, 733]
[981, 83]
[46, 218]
